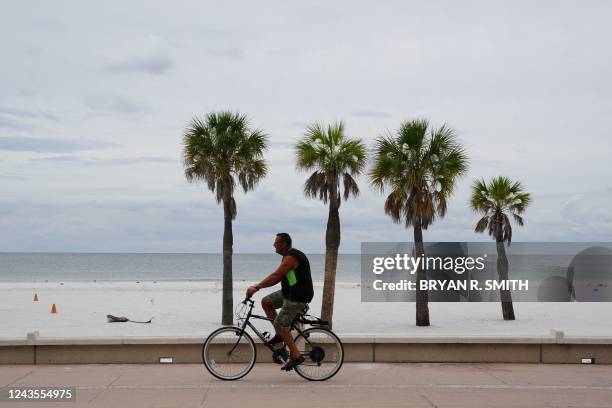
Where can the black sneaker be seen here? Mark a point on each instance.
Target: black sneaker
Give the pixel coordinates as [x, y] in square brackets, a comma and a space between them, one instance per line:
[292, 363]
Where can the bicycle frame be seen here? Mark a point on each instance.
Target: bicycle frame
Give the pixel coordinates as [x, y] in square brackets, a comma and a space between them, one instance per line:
[247, 323]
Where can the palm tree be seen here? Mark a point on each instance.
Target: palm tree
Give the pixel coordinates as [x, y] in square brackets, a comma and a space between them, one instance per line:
[334, 159]
[420, 165]
[495, 200]
[222, 150]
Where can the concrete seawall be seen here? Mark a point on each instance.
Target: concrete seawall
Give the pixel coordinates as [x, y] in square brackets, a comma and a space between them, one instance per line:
[554, 348]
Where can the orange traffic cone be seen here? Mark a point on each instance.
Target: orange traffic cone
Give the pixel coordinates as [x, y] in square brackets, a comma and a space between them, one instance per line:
[53, 309]
[36, 297]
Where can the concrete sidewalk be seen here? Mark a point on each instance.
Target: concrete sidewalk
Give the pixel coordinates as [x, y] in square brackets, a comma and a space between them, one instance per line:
[356, 385]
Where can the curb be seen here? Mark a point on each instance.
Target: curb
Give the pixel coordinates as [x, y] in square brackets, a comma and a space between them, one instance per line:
[552, 348]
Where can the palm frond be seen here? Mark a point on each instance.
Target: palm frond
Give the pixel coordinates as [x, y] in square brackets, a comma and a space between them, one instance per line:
[332, 156]
[220, 147]
[480, 201]
[350, 186]
[317, 186]
[518, 219]
[498, 198]
[394, 205]
[482, 224]
[388, 162]
[423, 163]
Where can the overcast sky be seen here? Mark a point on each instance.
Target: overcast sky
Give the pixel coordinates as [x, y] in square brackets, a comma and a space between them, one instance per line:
[94, 98]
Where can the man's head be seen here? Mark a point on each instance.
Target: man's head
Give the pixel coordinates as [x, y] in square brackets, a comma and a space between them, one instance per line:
[282, 243]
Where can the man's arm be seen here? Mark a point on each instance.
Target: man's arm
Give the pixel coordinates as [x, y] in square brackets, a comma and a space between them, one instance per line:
[285, 266]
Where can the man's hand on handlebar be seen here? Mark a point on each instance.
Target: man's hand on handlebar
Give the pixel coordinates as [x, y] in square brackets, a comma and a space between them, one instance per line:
[251, 291]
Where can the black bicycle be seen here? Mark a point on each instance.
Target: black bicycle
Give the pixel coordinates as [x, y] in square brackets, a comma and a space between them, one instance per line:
[229, 353]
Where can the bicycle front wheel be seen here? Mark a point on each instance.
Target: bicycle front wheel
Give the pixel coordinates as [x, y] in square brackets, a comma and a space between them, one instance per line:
[323, 353]
[229, 353]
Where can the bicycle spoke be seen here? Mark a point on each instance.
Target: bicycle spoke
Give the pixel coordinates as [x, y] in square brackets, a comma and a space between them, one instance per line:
[228, 353]
[323, 352]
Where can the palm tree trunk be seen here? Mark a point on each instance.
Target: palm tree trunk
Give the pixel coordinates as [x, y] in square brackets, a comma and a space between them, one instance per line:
[332, 243]
[228, 242]
[502, 272]
[422, 307]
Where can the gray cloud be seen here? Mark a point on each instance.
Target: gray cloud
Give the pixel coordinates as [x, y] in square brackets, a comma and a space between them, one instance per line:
[147, 54]
[586, 217]
[229, 53]
[152, 64]
[297, 124]
[124, 223]
[371, 114]
[105, 162]
[111, 226]
[13, 124]
[47, 145]
[588, 209]
[535, 76]
[114, 103]
[28, 113]
[14, 176]
[485, 162]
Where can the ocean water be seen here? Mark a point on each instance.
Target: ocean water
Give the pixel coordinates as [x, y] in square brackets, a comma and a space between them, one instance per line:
[57, 267]
[40, 267]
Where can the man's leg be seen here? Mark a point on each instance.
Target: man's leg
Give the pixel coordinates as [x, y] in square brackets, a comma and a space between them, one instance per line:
[286, 336]
[268, 307]
[270, 303]
[283, 322]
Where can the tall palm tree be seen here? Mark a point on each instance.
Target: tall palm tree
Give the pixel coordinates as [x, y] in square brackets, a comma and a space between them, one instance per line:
[222, 150]
[495, 200]
[334, 159]
[420, 165]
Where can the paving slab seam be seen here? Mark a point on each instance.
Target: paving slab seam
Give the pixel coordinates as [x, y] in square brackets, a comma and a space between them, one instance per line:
[205, 395]
[102, 389]
[95, 396]
[144, 387]
[489, 373]
[428, 400]
[382, 386]
[19, 379]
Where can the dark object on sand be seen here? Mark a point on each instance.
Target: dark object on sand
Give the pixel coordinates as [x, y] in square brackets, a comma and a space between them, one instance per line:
[115, 319]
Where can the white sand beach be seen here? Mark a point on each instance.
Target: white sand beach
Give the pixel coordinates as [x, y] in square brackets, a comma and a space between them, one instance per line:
[193, 309]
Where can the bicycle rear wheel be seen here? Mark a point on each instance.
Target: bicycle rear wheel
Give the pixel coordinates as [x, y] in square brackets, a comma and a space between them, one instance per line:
[323, 352]
[229, 353]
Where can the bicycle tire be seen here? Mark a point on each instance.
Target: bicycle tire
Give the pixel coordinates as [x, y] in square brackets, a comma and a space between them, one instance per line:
[211, 364]
[311, 361]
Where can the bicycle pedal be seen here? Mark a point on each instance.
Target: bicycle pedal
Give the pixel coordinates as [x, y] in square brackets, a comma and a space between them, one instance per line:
[280, 356]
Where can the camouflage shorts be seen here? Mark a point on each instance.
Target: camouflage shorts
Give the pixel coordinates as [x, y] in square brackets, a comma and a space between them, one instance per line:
[289, 309]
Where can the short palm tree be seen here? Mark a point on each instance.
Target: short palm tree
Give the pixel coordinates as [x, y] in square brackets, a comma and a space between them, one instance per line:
[419, 165]
[335, 161]
[223, 151]
[495, 200]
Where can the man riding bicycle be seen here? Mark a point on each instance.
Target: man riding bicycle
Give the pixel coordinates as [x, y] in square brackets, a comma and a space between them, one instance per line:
[296, 291]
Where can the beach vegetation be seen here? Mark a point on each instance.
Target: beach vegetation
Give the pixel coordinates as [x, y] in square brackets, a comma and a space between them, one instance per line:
[496, 201]
[419, 166]
[223, 151]
[335, 160]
